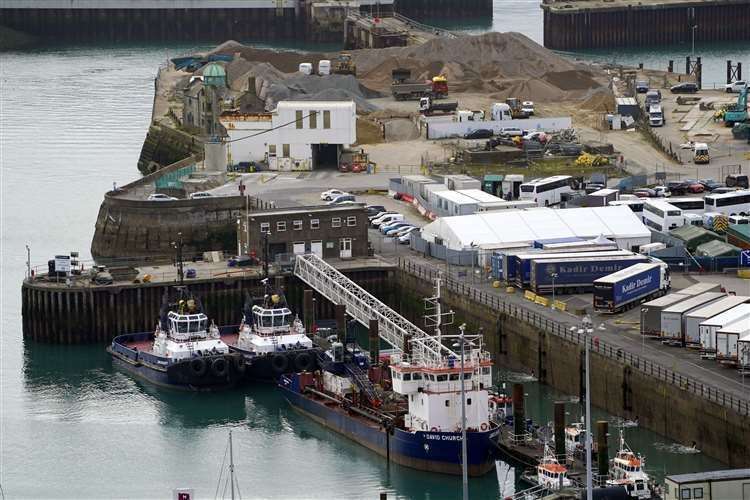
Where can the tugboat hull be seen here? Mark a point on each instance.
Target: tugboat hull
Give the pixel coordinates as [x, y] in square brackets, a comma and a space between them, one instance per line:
[204, 373]
[269, 367]
[427, 451]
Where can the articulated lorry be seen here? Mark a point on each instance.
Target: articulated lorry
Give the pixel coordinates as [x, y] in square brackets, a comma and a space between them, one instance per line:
[576, 275]
[403, 88]
[631, 286]
[428, 107]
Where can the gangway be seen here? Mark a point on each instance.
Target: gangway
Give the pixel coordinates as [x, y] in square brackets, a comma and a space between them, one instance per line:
[363, 382]
[362, 306]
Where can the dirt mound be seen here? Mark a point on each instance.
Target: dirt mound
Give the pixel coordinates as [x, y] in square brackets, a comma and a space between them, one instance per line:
[287, 61]
[571, 80]
[533, 90]
[601, 99]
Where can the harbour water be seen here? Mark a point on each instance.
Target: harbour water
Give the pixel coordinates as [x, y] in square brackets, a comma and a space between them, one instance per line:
[72, 122]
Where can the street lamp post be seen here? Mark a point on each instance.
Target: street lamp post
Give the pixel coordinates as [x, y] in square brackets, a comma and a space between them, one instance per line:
[586, 327]
[554, 276]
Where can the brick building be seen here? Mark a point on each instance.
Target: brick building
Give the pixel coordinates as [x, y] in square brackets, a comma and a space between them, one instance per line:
[331, 232]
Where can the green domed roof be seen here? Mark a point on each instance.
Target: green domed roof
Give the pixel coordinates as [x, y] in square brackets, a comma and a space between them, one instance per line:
[214, 74]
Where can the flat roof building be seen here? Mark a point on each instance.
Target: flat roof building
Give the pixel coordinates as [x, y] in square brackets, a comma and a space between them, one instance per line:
[732, 484]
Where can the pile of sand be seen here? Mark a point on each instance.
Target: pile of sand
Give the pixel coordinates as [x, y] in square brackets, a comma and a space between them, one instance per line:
[601, 100]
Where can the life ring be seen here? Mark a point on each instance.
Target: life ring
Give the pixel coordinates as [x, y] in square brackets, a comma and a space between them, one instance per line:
[279, 363]
[198, 366]
[303, 362]
[220, 367]
[434, 429]
[484, 426]
[239, 363]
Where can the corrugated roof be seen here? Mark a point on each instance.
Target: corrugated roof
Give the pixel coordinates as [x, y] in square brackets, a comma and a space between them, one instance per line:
[716, 475]
[689, 233]
[479, 195]
[456, 197]
[741, 231]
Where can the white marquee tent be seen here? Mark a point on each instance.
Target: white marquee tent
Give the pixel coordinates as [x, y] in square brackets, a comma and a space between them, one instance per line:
[518, 228]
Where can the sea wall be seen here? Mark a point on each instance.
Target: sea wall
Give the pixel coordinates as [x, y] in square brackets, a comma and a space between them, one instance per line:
[621, 384]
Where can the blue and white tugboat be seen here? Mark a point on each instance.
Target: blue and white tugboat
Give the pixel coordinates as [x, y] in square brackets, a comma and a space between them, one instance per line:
[272, 340]
[418, 423]
[184, 352]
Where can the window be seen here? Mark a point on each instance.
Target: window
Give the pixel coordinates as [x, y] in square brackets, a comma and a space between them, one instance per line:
[416, 376]
[411, 397]
[685, 494]
[313, 119]
[468, 401]
[485, 370]
[447, 403]
[281, 226]
[298, 118]
[454, 376]
[265, 227]
[285, 150]
[326, 119]
[314, 223]
[697, 492]
[442, 378]
[407, 377]
[666, 488]
[336, 222]
[467, 376]
[351, 220]
[297, 225]
[272, 150]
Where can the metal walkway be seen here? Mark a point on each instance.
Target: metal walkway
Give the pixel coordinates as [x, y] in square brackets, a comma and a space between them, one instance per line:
[360, 305]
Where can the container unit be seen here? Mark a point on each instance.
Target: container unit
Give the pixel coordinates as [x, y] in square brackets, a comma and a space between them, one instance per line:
[602, 197]
[743, 353]
[673, 317]
[518, 267]
[651, 313]
[700, 288]
[727, 339]
[708, 328]
[630, 286]
[576, 274]
[694, 319]
[462, 181]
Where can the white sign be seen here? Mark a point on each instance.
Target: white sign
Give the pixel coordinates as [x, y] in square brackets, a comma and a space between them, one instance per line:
[62, 263]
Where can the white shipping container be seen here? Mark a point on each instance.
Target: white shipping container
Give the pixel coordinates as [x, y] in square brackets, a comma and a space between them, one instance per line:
[694, 319]
[709, 327]
[728, 337]
[672, 318]
[335, 384]
[743, 351]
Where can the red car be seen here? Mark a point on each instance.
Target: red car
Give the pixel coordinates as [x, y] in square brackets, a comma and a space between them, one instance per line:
[696, 187]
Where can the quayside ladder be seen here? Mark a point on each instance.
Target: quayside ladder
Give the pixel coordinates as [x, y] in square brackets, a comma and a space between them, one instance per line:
[362, 306]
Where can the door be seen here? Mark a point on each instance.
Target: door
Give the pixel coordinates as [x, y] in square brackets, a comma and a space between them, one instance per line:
[345, 248]
[316, 247]
[298, 247]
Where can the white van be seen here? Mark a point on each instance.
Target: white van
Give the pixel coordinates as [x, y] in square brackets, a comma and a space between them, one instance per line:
[305, 68]
[324, 67]
[700, 153]
[655, 115]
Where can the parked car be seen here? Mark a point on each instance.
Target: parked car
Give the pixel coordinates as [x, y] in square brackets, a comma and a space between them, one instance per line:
[240, 261]
[684, 88]
[341, 198]
[405, 238]
[380, 214]
[722, 190]
[374, 209]
[395, 228]
[482, 133]
[331, 194]
[160, 197]
[737, 86]
[391, 225]
[201, 194]
[528, 108]
[695, 187]
[641, 86]
[511, 132]
[644, 193]
[662, 191]
[386, 219]
[190, 273]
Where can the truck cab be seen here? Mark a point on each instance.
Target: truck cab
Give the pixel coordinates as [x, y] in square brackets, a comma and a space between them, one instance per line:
[652, 97]
[500, 111]
[655, 115]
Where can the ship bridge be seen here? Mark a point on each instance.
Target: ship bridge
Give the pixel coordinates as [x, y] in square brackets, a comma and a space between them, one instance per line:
[362, 306]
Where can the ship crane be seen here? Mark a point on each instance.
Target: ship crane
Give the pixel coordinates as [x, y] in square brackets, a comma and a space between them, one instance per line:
[362, 306]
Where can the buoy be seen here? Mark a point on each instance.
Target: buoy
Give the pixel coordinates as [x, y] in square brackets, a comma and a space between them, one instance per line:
[484, 426]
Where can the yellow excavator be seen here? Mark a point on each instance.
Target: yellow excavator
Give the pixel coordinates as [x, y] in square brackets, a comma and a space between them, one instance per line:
[343, 65]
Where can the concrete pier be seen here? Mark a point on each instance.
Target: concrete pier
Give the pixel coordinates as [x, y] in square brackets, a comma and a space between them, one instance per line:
[587, 24]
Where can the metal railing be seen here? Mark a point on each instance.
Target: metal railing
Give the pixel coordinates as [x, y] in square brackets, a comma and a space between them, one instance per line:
[598, 346]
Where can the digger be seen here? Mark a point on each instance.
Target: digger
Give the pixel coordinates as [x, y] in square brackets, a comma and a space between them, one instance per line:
[343, 65]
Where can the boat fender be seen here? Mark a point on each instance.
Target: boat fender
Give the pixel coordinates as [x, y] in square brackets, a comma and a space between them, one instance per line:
[198, 365]
[484, 426]
[280, 363]
[434, 429]
[239, 363]
[303, 362]
[219, 367]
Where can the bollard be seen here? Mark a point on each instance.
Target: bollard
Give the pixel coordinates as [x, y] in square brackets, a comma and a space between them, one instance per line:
[602, 453]
[560, 430]
[519, 423]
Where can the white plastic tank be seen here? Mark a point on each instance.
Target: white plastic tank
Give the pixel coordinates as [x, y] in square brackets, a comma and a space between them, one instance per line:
[306, 68]
[324, 67]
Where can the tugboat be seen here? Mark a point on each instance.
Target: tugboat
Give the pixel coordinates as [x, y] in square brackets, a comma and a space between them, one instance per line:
[627, 471]
[575, 440]
[184, 351]
[418, 423]
[272, 340]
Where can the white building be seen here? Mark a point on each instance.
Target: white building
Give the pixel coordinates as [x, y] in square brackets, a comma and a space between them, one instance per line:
[297, 135]
[518, 228]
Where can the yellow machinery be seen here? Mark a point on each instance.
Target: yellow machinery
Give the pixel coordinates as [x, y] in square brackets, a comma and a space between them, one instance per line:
[343, 65]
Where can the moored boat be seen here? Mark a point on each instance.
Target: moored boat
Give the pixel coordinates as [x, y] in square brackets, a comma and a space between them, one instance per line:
[184, 351]
[627, 471]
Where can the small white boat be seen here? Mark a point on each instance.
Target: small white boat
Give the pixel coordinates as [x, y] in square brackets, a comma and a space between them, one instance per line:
[550, 473]
[627, 471]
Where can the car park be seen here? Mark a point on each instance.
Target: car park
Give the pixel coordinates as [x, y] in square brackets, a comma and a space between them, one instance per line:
[482, 133]
[331, 194]
[386, 219]
[684, 88]
[201, 194]
[160, 197]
